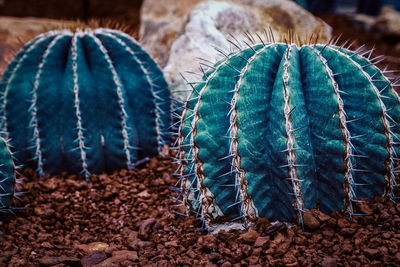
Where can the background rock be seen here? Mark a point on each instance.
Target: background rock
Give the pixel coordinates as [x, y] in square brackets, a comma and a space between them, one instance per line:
[388, 22]
[363, 21]
[161, 23]
[177, 34]
[14, 32]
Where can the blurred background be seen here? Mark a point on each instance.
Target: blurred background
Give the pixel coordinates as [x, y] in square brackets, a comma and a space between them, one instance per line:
[124, 10]
[129, 10]
[162, 25]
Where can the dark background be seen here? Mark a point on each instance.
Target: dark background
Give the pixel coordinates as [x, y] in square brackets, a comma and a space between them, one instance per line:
[127, 11]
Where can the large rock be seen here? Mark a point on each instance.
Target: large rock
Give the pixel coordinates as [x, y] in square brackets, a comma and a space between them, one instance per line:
[388, 22]
[177, 34]
[161, 23]
[14, 32]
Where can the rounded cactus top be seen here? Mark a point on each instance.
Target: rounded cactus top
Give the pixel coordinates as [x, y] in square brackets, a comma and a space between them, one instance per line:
[89, 101]
[275, 129]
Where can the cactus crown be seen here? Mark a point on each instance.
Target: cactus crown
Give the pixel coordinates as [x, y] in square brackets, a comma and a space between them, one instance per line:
[7, 177]
[276, 129]
[88, 101]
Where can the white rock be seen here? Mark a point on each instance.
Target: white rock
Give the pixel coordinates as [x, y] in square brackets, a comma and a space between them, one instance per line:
[161, 22]
[203, 32]
[209, 24]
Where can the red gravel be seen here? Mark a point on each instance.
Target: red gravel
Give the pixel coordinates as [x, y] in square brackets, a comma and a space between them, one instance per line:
[127, 218]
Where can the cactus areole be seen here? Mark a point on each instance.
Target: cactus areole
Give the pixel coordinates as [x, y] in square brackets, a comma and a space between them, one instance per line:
[276, 129]
[89, 101]
[7, 177]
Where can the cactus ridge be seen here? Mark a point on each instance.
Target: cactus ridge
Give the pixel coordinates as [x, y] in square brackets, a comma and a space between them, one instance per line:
[7, 177]
[274, 130]
[347, 138]
[71, 102]
[10, 72]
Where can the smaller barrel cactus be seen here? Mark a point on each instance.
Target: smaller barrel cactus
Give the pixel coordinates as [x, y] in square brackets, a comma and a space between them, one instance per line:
[87, 101]
[7, 177]
[275, 130]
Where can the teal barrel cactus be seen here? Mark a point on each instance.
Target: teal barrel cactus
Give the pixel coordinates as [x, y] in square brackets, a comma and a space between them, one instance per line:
[90, 101]
[7, 177]
[274, 130]
[302, 3]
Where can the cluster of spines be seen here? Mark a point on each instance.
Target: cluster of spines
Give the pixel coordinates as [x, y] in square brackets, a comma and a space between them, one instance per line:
[290, 155]
[161, 104]
[188, 177]
[79, 127]
[188, 181]
[188, 172]
[346, 139]
[8, 181]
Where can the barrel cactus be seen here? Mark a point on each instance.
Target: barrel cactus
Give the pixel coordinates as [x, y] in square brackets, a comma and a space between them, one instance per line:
[7, 177]
[87, 101]
[277, 129]
[302, 3]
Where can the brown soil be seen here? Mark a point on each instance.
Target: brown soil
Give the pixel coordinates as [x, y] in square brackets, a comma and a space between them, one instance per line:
[127, 218]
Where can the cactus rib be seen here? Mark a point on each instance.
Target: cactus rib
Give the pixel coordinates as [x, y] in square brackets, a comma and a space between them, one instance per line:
[290, 154]
[79, 127]
[348, 151]
[121, 103]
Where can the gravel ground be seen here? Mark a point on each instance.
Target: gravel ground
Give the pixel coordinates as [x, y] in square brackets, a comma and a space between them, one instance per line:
[127, 218]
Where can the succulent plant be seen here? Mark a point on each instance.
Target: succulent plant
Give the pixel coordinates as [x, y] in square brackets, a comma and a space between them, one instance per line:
[277, 129]
[89, 101]
[7, 177]
[302, 3]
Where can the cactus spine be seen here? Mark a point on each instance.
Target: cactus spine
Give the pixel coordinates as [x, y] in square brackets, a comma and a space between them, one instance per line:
[276, 129]
[7, 177]
[89, 101]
